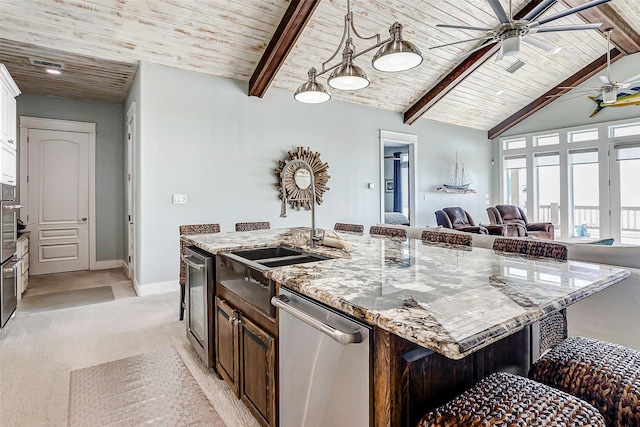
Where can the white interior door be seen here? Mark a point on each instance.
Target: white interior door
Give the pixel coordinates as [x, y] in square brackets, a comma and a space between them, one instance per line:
[130, 229]
[58, 171]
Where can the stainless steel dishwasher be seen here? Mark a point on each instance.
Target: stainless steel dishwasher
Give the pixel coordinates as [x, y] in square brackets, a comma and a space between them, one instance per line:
[325, 365]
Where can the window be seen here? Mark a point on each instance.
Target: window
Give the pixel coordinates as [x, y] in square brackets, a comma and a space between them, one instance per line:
[628, 129]
[584, 208]
[547, 168]
[515, 181]
[628, 165]
[511, 144]
[583, 135]
[551, 139]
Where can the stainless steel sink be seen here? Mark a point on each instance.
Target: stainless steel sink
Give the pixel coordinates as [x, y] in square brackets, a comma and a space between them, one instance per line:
[242, 272]
[277, 256]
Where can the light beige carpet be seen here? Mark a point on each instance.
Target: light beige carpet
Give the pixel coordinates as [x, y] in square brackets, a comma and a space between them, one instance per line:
[152, 388]
[65, 299]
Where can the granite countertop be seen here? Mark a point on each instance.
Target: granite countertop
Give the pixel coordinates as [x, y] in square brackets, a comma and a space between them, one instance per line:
[451, 300]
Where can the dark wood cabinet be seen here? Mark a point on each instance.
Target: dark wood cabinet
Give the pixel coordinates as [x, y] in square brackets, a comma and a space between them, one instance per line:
[227, 344]
[246, 355]
[258, 382]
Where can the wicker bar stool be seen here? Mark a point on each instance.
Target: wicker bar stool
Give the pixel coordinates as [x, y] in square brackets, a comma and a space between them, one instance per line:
[250, 226]
[604, 374]
[553, 328]
[190, 230]
[458, 239]
[379, 231]
[504, 399]
[349, 228]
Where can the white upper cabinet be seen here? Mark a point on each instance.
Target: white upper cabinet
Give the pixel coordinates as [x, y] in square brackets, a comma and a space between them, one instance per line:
[8, 132]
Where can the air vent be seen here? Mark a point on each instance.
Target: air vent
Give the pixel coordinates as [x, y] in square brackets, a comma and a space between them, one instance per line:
[45, 63]
[515, 66]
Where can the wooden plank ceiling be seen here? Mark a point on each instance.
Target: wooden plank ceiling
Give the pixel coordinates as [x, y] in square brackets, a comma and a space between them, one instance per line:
[102, 41]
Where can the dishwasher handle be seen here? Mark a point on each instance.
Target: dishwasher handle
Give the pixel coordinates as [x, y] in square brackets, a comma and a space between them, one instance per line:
[343, 338]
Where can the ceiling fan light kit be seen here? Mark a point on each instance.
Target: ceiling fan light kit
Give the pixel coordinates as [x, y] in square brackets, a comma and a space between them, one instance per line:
[395, 54]
[511, 31]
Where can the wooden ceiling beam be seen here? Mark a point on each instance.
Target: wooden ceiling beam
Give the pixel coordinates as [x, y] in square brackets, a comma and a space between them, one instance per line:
[293, 22]
[624, 37]
[551, 95]
[451, 80]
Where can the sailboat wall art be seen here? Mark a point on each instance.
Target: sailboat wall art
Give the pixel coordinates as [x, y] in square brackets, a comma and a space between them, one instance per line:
[460, 180]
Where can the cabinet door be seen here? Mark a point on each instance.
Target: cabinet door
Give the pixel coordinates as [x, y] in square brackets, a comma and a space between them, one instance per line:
[11, 122]
[227, 352]
[258, 380]
[8, 164]
[4, 113]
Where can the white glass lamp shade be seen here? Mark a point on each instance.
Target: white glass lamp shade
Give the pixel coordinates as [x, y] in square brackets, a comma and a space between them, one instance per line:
[312, 92]
[348, 77]
[397, 54]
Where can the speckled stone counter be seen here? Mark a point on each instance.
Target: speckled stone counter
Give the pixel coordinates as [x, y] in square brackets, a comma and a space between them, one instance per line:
[450, 300]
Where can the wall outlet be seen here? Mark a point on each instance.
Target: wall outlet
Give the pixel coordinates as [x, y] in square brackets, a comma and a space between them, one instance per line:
[179, 199]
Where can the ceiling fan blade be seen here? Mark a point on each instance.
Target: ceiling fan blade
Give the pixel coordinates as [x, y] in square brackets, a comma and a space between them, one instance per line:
[464, 27]
[499, 11]
[536, 11]
[557, 28]
[632, 80]
[605, 80]
[571, 11]
[539, 44]
[462, 41]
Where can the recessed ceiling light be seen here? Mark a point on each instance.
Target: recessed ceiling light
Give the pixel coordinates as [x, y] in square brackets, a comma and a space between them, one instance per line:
[52, 71]
[556, 50]
[500, 92]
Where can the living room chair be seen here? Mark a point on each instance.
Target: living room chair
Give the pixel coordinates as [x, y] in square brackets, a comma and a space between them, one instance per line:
[517, 224]
[459, 219]
[190, 230]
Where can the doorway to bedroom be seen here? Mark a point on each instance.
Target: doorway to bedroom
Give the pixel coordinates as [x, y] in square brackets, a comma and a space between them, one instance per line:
[398, 178]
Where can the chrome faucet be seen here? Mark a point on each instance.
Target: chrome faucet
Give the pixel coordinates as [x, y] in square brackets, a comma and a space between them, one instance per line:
[313, 234]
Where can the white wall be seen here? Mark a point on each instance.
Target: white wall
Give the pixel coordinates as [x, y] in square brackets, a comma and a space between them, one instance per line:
[204, 137]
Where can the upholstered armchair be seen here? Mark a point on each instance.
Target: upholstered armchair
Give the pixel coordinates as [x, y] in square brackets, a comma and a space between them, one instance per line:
[459, 219]
[517, 224]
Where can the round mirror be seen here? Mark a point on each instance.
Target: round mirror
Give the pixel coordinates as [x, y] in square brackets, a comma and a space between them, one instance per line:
[302, 177]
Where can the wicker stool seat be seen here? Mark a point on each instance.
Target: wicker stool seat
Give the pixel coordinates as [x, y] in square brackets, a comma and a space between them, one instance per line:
[349, 228]
[251, 226]
[458, 239]
[380, 231]
[505, 399]
[603, 374]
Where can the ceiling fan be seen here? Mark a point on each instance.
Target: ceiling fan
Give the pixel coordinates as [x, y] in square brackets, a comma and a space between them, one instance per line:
[609, 89]
[511, 31]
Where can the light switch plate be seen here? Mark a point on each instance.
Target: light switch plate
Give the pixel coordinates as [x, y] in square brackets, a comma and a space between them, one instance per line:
[179, 199]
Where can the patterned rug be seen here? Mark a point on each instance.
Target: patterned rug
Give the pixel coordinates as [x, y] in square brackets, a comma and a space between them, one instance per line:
[153, 388]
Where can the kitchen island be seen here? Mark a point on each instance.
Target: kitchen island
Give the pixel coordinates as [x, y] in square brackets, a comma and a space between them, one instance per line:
[443, 318]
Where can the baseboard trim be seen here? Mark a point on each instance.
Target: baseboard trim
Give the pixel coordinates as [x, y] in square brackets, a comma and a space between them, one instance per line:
[105, 265]
[155, 288]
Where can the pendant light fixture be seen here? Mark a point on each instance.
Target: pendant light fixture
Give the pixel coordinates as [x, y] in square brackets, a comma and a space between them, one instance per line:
[395, 54]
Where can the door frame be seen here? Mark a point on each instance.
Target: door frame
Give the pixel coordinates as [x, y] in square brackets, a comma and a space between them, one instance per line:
[130, 258]
[412, 141]
[27, 123]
